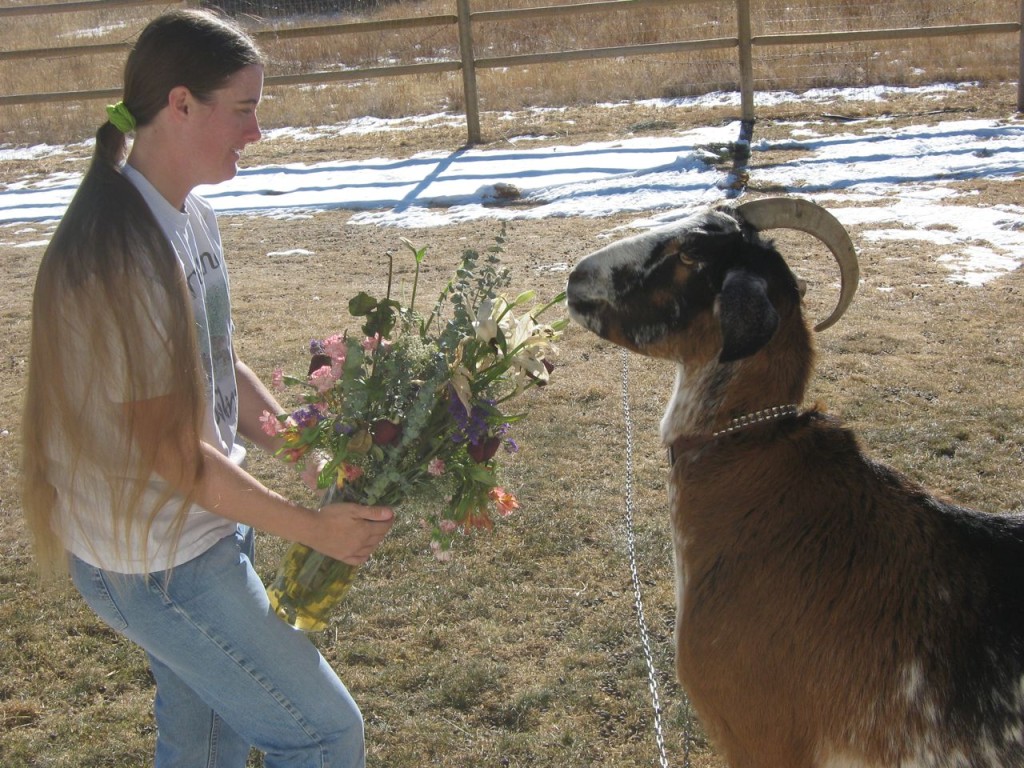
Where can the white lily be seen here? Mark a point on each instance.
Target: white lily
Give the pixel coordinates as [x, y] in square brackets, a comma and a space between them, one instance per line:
[486, 324]
[460, 382]
[528, 345]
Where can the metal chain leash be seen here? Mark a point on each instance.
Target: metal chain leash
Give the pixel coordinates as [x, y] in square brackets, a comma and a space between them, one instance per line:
[638, 602]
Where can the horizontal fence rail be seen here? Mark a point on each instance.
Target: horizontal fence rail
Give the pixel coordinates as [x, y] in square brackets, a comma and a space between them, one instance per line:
[465, 20]
[76, 7]
[65, 52]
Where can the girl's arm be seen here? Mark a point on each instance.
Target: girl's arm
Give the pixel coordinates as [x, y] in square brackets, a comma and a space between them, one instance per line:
[347, 532]
[253, 399]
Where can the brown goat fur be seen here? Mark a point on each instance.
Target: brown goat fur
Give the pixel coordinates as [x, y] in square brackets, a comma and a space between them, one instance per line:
[831, 613]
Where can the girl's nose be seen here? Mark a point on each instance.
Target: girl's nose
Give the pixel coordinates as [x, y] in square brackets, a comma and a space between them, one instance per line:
[253, 133]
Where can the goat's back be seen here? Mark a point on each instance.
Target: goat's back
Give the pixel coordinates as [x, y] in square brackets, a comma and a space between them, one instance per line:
[833, 610]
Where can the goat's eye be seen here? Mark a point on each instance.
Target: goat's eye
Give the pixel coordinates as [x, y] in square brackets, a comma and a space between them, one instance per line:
[673, 249]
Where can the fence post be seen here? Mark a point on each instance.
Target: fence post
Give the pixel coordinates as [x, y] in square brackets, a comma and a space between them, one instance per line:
[1020, 70]
[746, 59]
[469, 72]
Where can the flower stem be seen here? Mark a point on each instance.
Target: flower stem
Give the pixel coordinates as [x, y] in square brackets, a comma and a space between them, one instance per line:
[391, 272]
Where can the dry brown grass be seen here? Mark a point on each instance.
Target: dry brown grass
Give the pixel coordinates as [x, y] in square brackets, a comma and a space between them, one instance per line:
[524, 650]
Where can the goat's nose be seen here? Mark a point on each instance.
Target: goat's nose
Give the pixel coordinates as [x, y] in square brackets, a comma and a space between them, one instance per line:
[583, 274]
[586, 295]
[579, 280]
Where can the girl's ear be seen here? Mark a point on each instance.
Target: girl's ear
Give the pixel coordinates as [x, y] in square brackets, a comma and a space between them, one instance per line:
[179, 101]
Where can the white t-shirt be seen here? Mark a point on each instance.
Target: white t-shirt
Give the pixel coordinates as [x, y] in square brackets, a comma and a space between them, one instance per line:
[87, 524]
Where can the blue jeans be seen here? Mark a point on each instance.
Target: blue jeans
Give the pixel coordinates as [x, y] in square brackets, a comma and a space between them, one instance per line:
[229, 674]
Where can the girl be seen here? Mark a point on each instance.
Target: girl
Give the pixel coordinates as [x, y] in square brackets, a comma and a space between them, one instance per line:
[135, 404]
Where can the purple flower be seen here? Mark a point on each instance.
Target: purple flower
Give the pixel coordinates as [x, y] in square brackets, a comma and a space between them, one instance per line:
[458, 413]
[476, 430]
[484, 450]
[308, 416]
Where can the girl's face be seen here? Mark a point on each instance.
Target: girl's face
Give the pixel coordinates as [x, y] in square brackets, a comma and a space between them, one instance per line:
[225, 124]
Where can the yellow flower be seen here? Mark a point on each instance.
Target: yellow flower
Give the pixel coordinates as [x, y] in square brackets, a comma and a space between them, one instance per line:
[347, 473]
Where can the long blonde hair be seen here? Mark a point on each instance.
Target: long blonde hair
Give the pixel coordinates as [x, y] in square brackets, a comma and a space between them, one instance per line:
[107, 260]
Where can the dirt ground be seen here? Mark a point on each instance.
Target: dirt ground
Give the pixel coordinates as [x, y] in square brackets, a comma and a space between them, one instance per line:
[928, 371]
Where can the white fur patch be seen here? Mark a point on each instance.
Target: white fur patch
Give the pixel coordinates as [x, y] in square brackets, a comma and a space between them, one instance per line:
[689, 407]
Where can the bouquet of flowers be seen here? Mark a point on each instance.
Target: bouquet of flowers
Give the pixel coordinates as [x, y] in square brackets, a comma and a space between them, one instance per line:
[414, 406]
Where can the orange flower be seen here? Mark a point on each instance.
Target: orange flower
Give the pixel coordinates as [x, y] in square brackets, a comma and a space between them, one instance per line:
[504, 501]
[478, 518]
[294, 455]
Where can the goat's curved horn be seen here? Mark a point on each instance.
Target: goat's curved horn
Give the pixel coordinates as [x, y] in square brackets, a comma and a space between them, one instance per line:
[794, 213]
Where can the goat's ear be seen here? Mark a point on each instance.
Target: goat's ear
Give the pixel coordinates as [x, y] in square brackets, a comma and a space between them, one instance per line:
[746, 316]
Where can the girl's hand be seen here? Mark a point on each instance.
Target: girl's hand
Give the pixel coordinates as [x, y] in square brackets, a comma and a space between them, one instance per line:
[351, 532]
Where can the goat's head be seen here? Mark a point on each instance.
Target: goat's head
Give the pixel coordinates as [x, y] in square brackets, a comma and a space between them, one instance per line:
[711, 294]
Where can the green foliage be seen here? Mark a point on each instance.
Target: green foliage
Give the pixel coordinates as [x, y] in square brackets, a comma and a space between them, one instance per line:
[380, 315]
[413, 408]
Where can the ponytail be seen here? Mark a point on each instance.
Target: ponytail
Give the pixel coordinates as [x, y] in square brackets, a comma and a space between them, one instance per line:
[108, 258]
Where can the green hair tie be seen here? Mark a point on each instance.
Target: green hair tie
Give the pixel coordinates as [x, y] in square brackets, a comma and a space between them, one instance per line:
[121, 118]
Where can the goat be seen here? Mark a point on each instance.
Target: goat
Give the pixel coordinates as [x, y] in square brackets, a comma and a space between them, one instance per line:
[831, 613]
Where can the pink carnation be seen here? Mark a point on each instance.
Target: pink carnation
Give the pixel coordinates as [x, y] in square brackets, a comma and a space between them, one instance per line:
[334, 346]
[436, 467]
[270, 424]
[323, 378]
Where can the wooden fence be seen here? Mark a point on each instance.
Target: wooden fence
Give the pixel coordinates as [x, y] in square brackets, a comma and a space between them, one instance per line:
[466, 20]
